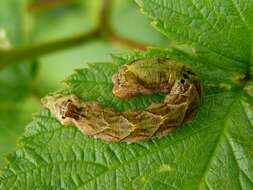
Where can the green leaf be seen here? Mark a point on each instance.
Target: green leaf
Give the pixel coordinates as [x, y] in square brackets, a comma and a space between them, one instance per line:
[13, 115]
[127, 12]
[214, 151]
[219, 31]
[219, 140]
[13, 22]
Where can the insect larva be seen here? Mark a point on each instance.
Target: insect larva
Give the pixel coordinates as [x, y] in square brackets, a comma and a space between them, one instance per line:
[145, 76]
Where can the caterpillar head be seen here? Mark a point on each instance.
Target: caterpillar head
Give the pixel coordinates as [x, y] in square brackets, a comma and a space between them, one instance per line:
[189, 77]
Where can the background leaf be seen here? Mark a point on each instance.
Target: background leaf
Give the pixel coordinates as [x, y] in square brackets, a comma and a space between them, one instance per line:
[83, 16]
[16, 81]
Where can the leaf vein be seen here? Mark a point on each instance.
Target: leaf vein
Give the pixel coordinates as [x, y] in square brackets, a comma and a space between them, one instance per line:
[215, 149]
[113, 168]
[240, 15]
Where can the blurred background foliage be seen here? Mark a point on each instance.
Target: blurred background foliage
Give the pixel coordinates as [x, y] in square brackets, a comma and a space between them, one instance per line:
[27, 22]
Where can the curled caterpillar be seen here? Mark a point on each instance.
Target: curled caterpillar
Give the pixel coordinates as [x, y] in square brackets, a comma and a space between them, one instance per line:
[145, 76]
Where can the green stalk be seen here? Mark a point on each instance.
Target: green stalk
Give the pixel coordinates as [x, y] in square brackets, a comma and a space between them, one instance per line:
[10, 56]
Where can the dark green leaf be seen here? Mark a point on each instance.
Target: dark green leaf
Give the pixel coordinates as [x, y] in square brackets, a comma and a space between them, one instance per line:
[219, 31]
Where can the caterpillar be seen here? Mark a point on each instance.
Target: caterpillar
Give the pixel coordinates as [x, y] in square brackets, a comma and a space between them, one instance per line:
[177, 80]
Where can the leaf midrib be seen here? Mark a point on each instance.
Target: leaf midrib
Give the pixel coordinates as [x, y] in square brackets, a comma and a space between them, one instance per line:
[218, 142]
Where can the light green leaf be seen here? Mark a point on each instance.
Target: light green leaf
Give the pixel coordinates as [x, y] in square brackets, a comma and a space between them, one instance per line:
[127, 12]
[13, 115]
[13, 23]
[15, 80]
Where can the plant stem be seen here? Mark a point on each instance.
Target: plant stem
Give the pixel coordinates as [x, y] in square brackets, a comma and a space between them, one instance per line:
[32, 51]
[127, 42]
[43, 5]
